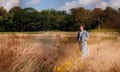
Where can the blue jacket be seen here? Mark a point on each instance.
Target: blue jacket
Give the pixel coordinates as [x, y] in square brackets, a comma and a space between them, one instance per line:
[82, 36]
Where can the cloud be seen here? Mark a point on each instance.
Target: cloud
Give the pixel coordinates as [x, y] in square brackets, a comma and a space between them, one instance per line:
[115, 3]
[70, 5]
[102, 5]
[8, 4]
[83, 3]
[33, 2]
[112, 3]
[91, 4]
[88, 2]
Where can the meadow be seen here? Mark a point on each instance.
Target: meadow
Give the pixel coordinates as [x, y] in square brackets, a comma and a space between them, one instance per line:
[58, 52]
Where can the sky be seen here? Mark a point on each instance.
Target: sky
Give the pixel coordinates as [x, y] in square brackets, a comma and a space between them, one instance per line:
[60, 4]
[8, 4]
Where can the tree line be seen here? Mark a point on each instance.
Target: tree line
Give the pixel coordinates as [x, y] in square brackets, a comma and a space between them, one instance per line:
[19, 19]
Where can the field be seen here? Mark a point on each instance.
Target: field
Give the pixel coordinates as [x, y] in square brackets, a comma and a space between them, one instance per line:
[58, 52]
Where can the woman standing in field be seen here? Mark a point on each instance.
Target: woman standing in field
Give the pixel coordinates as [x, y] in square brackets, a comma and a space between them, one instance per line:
[82, 37]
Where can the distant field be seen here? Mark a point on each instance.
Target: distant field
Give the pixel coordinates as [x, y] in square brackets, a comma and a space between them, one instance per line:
[105, 30]
[58, 52]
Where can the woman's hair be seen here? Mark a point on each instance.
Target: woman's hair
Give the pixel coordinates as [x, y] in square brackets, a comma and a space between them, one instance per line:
[82, 25]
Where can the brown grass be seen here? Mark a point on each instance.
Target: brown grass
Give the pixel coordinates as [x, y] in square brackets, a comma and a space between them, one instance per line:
[23, 54]
[45, 53]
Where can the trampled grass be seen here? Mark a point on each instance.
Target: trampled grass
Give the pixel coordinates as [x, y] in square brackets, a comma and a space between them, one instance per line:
[58, 52]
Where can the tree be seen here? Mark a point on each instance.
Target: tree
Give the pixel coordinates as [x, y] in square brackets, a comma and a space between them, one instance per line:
[112, 18]
[29, 19]
[51, 19]
[15, 9]
[67, 24]
[98, 17]
[3, 14]
[82, 16]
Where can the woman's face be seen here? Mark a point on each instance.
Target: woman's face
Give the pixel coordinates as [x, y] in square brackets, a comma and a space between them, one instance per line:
[81, 28]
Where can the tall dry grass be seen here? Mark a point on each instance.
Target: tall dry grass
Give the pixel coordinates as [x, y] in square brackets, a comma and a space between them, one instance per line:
[58, 53]
[19, 53]
[103, 57]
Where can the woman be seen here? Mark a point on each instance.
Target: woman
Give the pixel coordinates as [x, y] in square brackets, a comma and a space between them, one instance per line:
[82, 38]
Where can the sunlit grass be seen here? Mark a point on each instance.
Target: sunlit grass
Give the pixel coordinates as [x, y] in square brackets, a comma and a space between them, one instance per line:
[105, 30]
[40, 53]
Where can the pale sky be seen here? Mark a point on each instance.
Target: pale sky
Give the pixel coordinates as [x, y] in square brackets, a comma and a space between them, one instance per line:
[60, 4]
